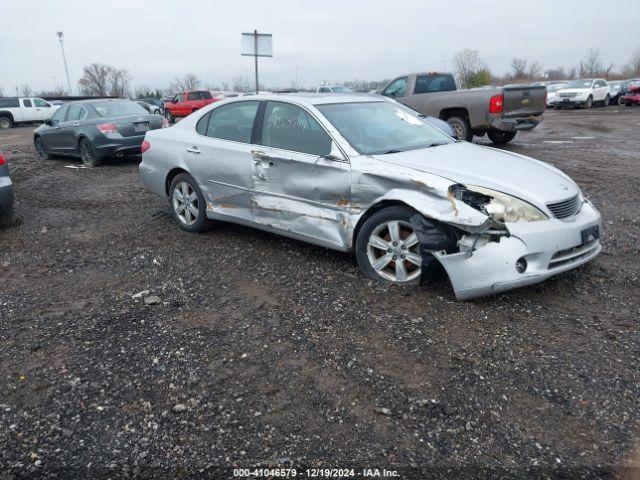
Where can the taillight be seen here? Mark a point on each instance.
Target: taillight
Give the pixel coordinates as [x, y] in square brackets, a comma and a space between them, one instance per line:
[108, 128]
[145, 146]
[165, 123]
[495, 104]
[2, 159]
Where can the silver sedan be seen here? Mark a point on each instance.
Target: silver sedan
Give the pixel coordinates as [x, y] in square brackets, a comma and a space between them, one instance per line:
[366, 174]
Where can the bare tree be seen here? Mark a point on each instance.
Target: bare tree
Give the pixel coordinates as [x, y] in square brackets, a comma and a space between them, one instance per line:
[120, 79]
[591, 65]
[1, 92]
[240, 83]
[467, 63]
[632, 69]
[519, 67]
[25, 90]
[95, 79]
[189, 82]
[556, 74]
[535, 69]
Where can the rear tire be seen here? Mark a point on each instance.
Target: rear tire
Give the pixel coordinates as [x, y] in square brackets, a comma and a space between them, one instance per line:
[43, 154]
[188, 205]
[500, 137]
[461, 127]
[619, 100]
[605, 102]
[6, 122]
[88, 153]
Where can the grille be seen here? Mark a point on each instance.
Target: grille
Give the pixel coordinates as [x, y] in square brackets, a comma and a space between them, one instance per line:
[566, 208]
[568, 95]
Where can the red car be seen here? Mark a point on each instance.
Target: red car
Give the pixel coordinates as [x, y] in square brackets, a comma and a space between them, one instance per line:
[633, 97]
[186, 103]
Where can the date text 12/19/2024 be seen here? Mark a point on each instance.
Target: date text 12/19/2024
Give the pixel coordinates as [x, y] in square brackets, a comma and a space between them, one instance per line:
[316, 473]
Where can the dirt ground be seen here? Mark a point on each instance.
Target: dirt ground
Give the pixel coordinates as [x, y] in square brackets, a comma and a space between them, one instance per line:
[266, 351]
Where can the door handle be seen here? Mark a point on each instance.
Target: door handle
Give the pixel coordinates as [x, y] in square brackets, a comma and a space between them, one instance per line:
[193, 149]
[76, 125]
[258, 153]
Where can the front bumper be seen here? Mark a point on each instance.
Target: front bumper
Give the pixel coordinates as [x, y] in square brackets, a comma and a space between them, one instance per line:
[549, 247]
[571, 102]
[116, 144]
[514, 124]
[7, 196]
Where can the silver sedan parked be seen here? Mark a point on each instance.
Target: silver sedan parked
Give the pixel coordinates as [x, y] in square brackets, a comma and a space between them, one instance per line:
[366, 174]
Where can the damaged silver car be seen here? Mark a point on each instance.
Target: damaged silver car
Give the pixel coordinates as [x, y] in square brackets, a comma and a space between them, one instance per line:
[366, 174]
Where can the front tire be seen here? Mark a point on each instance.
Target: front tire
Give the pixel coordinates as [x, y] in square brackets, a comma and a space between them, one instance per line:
[187, 204]
[500, 137]
[43, 154]
[461, 127]
[589, 103]
[88, 153]
[170, 117]
[387, 248]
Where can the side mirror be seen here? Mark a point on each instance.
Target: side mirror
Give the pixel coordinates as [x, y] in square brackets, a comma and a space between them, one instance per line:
[48, 122]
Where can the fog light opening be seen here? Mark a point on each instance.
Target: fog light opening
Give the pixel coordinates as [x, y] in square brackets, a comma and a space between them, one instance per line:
[521, 265]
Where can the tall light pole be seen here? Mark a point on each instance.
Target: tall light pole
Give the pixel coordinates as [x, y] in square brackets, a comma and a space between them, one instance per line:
[64, 59]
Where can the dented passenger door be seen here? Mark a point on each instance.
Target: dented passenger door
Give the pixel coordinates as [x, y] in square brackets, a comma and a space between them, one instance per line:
[301, 181]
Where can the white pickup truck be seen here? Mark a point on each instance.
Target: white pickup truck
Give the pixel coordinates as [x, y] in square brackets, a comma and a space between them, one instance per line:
[24, 110]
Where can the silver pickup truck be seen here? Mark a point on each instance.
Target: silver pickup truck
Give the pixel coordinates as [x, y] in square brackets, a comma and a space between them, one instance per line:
[499, 112]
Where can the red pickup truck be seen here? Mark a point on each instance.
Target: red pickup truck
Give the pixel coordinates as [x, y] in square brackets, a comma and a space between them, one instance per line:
[186, 103]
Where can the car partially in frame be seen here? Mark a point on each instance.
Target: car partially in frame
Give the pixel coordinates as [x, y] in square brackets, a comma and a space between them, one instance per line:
[365, 174]
[95, 129]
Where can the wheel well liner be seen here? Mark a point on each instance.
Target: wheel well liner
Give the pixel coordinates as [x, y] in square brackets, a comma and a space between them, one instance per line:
[447, 113]
[373, 209]
[170, 176]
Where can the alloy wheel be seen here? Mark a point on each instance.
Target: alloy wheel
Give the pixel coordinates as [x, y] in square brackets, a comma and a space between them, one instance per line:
[42, 153]
[185, 203]
[393, 251]
[5, 122]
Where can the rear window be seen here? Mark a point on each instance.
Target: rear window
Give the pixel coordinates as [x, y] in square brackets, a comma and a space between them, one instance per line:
[204, 95]
[117, 109]
[434, 83]
[9, 103]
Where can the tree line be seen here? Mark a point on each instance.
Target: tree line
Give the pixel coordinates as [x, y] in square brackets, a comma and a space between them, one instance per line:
[470, 69]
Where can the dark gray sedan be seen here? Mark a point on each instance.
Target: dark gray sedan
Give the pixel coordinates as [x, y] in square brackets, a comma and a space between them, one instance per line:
[6, 194]
[95, 129]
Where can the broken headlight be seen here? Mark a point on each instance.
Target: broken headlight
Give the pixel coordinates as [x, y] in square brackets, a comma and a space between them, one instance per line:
[498, 206]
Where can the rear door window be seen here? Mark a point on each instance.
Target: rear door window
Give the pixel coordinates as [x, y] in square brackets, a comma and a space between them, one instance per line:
[434, 83]
[26, 102]
[60, 114]
[397, 88]
[231, 122]
[290, 127]
[76, 112]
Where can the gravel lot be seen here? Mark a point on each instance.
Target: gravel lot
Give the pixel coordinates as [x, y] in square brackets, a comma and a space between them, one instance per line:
[264, 351]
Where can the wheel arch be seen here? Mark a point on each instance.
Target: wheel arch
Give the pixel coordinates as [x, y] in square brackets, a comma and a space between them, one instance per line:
[374, 209]
[173, 173]
[447, 113]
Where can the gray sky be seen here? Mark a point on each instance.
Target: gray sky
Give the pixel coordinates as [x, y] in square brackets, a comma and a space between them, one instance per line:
[329, 40]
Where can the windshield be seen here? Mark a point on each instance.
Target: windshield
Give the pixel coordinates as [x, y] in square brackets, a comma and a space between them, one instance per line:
[341, 89]
[579, 84]
[555, 88]
[117, 109]
[382, 127]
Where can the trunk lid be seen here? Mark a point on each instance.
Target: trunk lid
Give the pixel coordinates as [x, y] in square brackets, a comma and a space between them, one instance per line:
[136, 125]
[523, 101]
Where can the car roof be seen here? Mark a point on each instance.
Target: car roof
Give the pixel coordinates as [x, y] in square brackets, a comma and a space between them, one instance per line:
[315, 98]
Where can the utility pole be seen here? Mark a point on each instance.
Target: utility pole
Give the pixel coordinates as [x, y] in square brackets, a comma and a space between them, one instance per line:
[255, 49]
[64, 59]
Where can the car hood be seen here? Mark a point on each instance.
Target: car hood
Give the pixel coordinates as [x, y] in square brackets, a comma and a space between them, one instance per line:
[575, 90]
[461, 162]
